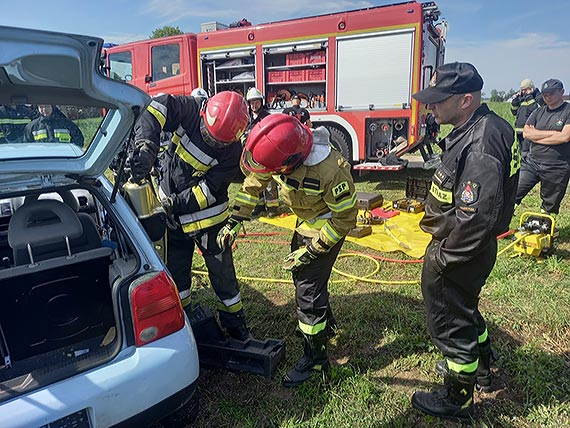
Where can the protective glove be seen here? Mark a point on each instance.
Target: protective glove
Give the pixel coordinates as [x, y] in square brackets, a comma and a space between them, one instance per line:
[299, 258]
[142, 159]
[228, 234]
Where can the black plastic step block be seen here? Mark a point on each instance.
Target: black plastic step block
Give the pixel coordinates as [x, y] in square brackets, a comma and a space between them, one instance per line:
[259, 357]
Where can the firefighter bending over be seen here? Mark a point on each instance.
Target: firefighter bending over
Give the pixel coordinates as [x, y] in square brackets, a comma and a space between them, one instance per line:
[194, 173]
[315, 182]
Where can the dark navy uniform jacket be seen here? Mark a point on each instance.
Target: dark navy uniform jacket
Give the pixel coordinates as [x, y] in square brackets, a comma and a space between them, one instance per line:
[472, 195]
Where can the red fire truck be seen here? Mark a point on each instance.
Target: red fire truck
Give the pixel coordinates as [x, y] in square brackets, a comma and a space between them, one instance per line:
[355, 72]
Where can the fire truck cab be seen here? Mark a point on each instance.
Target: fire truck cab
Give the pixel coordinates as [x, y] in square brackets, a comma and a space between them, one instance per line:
[354, 71]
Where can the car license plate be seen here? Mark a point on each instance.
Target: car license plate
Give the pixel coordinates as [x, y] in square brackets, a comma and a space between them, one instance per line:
[75, 420]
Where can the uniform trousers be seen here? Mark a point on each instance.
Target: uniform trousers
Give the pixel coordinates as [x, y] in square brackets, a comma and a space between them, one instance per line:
[451, 296]
[180, 250]
[311, 284]
[553, 178]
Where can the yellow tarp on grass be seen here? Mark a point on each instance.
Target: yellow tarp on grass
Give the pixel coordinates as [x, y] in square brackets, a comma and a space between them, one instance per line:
[399, 233]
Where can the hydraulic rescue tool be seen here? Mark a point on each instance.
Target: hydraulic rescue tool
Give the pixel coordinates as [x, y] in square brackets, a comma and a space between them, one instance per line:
[535, 235]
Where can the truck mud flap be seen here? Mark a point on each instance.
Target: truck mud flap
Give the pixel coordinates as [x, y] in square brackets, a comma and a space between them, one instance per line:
[259, 357]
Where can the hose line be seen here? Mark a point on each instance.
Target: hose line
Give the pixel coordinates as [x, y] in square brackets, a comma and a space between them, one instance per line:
[365, 278]
[516, 241]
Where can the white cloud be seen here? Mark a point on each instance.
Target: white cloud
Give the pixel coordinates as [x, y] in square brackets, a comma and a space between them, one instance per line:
[504, 63]
[257, 11]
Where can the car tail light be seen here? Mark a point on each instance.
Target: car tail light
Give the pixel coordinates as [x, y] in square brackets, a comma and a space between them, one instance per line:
[157, 311]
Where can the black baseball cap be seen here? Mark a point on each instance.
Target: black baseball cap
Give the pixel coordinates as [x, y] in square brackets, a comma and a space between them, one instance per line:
[450, 79]
[551, 85]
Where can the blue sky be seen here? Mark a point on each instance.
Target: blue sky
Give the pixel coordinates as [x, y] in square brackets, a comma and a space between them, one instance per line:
[507, 40]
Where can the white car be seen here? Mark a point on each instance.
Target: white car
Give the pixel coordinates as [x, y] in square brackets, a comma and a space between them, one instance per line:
[92, 332]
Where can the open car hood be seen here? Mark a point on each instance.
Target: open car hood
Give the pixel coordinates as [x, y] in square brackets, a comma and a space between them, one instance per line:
[62, 72]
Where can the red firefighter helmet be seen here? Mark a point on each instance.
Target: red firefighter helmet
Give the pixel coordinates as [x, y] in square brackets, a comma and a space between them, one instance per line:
[224, 119]
[277, 144]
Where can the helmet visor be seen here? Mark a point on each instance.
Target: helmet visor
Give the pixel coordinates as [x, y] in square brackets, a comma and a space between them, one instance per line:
[251, 165]
[209, 139]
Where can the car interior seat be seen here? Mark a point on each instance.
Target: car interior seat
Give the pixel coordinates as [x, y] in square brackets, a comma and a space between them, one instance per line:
[91, 237]
[55, 224]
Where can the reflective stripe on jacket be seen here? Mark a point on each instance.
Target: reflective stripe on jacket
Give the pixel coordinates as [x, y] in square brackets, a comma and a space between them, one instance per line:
[13, 120]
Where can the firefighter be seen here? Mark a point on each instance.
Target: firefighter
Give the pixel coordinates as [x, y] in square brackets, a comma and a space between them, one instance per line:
[200, 94]
[527, 100]
[269, 199]
[193, 175]
[13, 121]
[315, 182]
[52, 126]
[299, 112]
[471, 201]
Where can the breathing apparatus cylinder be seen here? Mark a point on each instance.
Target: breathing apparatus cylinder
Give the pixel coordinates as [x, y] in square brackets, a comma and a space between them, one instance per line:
[144, 202]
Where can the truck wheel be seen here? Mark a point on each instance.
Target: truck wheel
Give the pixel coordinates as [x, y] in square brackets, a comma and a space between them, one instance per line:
[339, 141]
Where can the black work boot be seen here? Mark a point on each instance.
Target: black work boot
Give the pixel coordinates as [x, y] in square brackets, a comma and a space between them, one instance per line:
[314, 361]
[241, 333]
[453, 401]
[484, 376]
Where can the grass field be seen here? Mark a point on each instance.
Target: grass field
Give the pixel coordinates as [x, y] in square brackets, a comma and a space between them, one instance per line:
[88, 128]
[382, 352]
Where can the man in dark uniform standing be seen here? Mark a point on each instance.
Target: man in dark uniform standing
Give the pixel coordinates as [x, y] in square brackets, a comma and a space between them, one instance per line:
[470, 202]
[548, 129]
[194, 175]
[527, 100]
[299, 112]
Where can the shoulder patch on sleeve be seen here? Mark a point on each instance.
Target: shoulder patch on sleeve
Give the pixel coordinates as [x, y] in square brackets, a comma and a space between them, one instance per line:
[339, 189]
[469, 192]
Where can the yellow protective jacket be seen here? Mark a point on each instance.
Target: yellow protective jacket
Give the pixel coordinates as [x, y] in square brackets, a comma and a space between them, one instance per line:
[321, 195]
